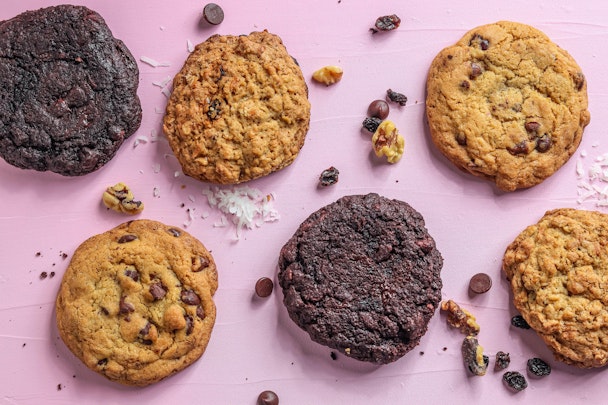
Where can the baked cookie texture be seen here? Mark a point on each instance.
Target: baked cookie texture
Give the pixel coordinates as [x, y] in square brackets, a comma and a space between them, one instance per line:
[69, 91]
[362, 276]
[239, 109]
[506, 104]
[136, 302]
[557, 269]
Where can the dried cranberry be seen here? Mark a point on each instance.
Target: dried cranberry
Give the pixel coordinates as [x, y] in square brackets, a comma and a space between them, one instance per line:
[387, 22]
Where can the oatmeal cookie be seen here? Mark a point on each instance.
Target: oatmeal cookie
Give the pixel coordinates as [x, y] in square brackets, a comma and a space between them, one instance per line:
[69, 91]
[557, 269]
[506, 104]
[362, 276]
[239, 109]
[135, 303]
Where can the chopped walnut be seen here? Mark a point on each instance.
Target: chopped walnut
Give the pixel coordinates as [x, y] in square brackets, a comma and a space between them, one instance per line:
[460, 318]
[328, 75]
[388, 142]
[120, 199]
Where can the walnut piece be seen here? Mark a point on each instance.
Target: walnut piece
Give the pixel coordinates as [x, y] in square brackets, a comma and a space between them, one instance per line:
[120, 199]
[460, 318]
[328, 75]
[388, 142]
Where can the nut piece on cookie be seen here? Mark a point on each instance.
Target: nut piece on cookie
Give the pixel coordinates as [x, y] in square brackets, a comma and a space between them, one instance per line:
[328, 75]
[388, 142]
[120, 199]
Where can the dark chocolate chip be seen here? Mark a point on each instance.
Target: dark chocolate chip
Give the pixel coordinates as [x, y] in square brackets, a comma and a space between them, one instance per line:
[263, 287]
[480, 283]
[132, 274]
[520, 148]
[189, 297]
[199, 264]
[461, 139]
[102, 362]
[127, 238]
[465, 84]
[475, 71]
[378, 109]
[532, 126]
[200, 312]
[543, 143]
[189, 324]
[158, 291]
[213, 14]
[519, 322]
[125, 307]
[268, 398]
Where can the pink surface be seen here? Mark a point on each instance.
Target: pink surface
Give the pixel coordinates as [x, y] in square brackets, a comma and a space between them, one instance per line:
[254, 345]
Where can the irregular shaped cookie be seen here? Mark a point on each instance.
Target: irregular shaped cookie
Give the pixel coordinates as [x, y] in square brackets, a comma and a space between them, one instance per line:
[69, 91]
[135, 303]
[557, 269]
[239, 109]
[362, 275]
[506, 104]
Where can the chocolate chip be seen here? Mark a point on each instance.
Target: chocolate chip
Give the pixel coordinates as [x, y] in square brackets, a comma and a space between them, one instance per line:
[465, 84]
[189, 297]
[378, 109]
[480, 283]
[520, 148]
[104, 311]
[174, 232]
[475, 71]
[483, 43]
[579, 80]
[461, 139]
[102, 362]
[263, 287]
[125, 307]
[532, 126]
[268, 398]
[158, 290]
[146, 329]
[213, 14]
[199, 264]
[127, 238]
[132, 274]
[200, 312]
[543, 143]
[189, 324]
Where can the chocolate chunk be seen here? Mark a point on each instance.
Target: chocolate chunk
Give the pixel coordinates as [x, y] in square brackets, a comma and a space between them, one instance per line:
[189, 297]
[200, 312]
[213, 14]
[480, 283]
[199, 264]
[378, 109]
[263, 287]
[127, 238]
[475, 71]
[189, 324]
[158, 290]
[102, 362]
[532, 126]
[268, 398]
[132, 274]
[520, 148]
[125, 307]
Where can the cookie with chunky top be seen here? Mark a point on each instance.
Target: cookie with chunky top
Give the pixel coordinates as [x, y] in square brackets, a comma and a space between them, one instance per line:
[239, 109]
[558, 271]
[68, 93]
[136, 302]
[362, 276]
[506, 104]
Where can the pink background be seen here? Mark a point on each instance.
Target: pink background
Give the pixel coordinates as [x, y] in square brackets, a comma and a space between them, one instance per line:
[254, 345]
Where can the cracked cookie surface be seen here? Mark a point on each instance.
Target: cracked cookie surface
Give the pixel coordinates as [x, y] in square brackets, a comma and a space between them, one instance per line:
[557, 269]
[239, 109]
[506, 104]
[136, 302]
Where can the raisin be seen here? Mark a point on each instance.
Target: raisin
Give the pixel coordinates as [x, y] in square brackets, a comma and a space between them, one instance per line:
[396, 97]
[519, 322]
[520, 148]
[127, 238]
[483, 43]
[515, 380]
[329, 177]
[543, 143]
[538, 367]
[371, 124]
[502, 360]
[387, 22]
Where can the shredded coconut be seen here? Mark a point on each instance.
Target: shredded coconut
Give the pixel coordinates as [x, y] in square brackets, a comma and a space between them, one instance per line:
[162, 83]
[154, 62]
[592, 185]
[189, 46]
[156, 168]
[156, 191]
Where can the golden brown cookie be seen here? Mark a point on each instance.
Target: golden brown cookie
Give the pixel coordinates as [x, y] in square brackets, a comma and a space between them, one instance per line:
[558, 270]
[135, 303]
[239, 109]
[506, 104]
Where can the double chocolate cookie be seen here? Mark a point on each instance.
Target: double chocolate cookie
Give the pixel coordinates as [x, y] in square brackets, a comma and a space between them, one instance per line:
[362, 276]
[506, 104]
[135, 303]
[69, 91]
[239, 109]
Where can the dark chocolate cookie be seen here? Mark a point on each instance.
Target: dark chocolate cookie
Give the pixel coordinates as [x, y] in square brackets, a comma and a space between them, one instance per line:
[362, 275]
[69, 91]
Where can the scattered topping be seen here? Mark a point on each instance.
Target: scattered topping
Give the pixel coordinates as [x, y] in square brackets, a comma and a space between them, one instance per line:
[378, 109]
[154, 63]
[120, 199]
[515, 380]
[329, 177]
[263, 287]
[396, 97]
[213, 14]
[538, 367]
[371, 124]
[480, 283]
[519, 322]
[386, 23]
[268, 398]
[43, 275]
[388, 142]
[502, 361]
[328, 75]
[473, 357]
[460, 318]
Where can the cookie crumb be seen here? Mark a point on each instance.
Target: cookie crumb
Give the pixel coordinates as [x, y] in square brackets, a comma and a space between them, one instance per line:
[43, 275]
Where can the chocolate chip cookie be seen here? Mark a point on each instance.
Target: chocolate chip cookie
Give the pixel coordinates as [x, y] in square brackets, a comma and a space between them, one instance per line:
[69, 91]
[135, 303]
[506, 104]
[362, 276]
[557, 269]
[239, 109]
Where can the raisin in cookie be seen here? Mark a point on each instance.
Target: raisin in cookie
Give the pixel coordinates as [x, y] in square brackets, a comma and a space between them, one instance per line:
[362, 276]
[69, 91]
[136, 304]
[557, 269]
[506, 104]
[239, 109]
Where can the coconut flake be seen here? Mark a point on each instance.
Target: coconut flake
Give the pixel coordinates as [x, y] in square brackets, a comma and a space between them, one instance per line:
[162, 83]
[189, 46]
[156, 191]
[153, 62]
[156, 168]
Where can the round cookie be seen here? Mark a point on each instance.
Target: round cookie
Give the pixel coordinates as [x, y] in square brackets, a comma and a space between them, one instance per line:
[135, 303]
[69, 91]
[506, 104]
[239, 109]
[557, 269]
[362, 276]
